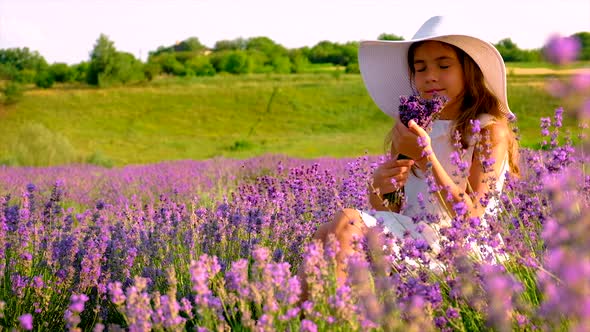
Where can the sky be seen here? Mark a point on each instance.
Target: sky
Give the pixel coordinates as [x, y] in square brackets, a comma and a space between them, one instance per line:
[66, 30]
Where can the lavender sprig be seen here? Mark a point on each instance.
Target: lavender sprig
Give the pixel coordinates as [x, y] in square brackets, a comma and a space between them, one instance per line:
[423, 111]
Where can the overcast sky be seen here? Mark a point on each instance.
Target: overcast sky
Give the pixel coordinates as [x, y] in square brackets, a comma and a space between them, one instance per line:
[66, 30]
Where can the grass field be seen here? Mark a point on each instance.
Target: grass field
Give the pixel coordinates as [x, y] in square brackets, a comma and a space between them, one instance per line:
[300, 115]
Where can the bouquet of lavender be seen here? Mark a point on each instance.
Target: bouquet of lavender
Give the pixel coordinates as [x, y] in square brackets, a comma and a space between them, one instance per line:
[423, 112]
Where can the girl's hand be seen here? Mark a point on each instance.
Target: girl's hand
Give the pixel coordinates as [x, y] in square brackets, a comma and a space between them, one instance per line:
[411, 141]
[390, 170]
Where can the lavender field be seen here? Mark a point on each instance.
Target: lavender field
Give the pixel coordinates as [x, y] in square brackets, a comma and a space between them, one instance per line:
[215, 245]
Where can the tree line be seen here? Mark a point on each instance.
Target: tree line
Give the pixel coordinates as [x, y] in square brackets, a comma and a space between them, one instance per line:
[107, 65]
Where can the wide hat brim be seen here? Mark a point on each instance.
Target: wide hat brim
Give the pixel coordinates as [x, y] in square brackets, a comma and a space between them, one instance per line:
[384, 67]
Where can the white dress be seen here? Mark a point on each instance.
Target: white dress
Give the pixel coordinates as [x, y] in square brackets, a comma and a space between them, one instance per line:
[416, 186]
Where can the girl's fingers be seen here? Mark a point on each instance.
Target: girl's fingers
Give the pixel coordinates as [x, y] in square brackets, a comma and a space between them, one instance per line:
[416, 129]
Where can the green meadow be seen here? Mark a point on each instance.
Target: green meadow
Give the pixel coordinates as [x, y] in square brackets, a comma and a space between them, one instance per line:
[300, 115]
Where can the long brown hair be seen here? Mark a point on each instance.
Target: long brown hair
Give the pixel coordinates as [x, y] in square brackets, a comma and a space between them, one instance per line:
[477, 99]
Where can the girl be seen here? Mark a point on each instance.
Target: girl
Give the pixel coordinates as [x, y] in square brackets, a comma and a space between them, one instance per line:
[470, 73]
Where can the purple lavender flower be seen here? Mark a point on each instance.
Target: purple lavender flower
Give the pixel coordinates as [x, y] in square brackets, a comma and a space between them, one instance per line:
[26, 322]
[562, 50]
[77, 302]
[308, 326]
[422, 111]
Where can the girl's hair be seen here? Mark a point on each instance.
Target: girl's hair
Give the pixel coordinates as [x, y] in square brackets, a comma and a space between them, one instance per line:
[477, 99]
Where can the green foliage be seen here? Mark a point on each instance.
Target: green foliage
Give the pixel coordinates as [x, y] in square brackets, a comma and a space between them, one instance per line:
[7, 72]
[98, 158]
[102, 59]
[352, 68]
[21, 64]
[36, 145]
[62, 73]
[151, 70]
[266, 46]
[337, 54]
[281, 64]
[233, 62]
[44, 79]
[325, 113]
[230, 45]
[584, 38]
[170, 65]
[126, 68]
[299, 60]
[190, 45]
[511, 53]
[80, 71]
[107, 66]
[200, 66]
[389, 36]
[11, 93]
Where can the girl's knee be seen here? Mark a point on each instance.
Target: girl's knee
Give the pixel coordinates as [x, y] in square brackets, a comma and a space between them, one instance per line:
[347, 223]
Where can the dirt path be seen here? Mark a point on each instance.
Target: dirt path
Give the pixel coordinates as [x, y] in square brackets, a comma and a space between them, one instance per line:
[546, 71]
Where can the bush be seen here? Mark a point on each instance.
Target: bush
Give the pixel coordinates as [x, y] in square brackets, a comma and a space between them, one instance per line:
[80, 72]
[151, 70]
[98, 158]
[44, 80]
[352, 68]
[235, 62]
[170, 65]
[36, 145]
[61, 72]
[200, 66]
[11, 93]
[281, 64]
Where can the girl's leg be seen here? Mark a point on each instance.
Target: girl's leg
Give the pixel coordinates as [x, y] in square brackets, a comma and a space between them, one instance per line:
[346, 226]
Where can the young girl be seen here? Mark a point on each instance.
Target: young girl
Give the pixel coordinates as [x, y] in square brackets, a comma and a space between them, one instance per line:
[470, 73]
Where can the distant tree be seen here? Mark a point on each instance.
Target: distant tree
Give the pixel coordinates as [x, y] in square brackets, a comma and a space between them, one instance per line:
[22, 58]
[21, 64]
[102, 59]
[235, 62]
[389, 36]
[281, 64]
[259, 62]
[350, 53]
[61, 72]
[266, 46]
[7, 72]
[325, 52]
[126, 69]
[230, 45]
[191, 44]
[44, 79]
[509, 50]
[200, 66]
[299, 59]
[170, 65]
[151, 70]
[81, 71]
[11, 93]
[584, 38]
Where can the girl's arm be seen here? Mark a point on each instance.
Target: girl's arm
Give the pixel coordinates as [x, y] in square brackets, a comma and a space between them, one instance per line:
[479, 182]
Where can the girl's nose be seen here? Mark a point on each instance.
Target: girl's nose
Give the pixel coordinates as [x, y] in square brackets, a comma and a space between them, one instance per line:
[431, 75]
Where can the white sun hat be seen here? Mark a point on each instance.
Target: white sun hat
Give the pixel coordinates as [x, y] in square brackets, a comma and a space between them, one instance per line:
[384, 64]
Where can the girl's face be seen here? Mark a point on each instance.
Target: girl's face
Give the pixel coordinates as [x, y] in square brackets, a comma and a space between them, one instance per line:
[438, 70]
